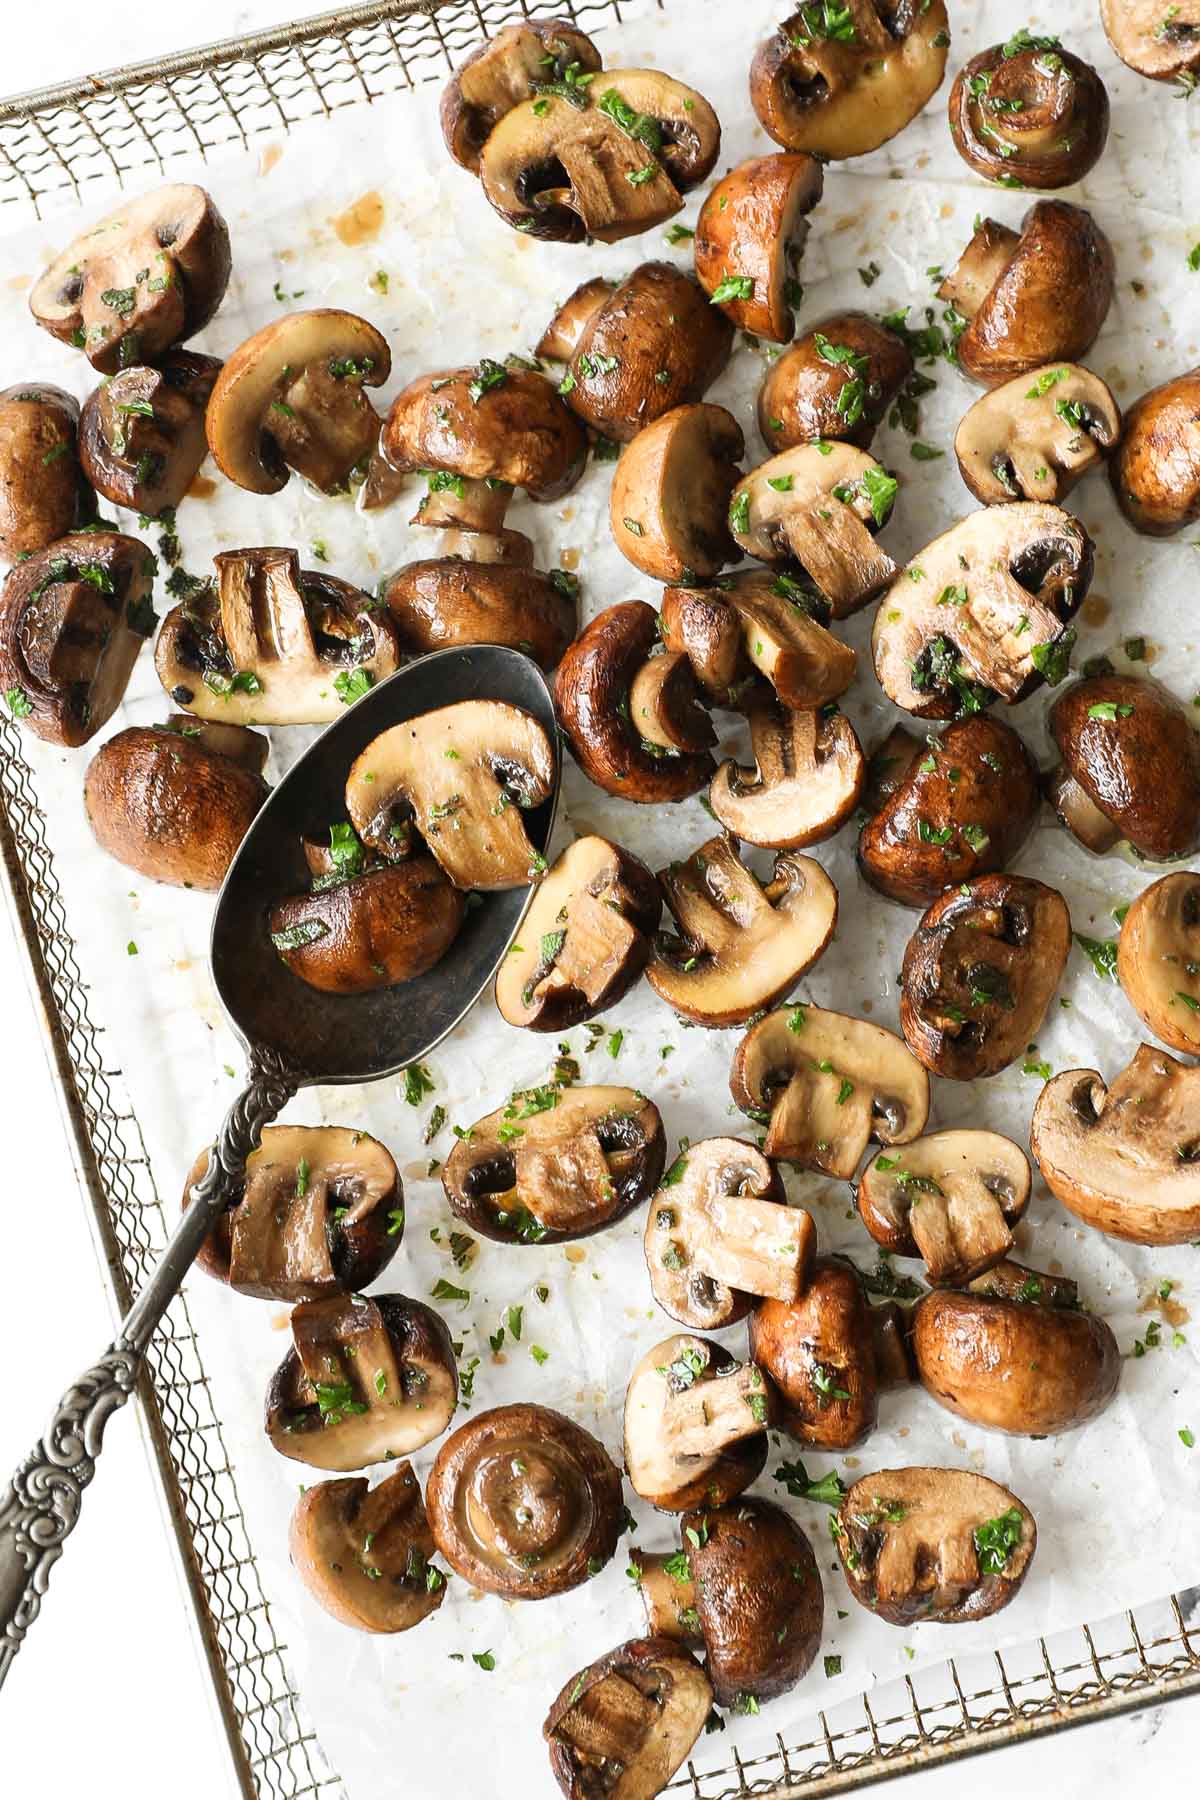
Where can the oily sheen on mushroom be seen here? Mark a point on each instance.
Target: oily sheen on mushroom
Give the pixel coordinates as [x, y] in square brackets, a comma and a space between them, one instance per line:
[365, 1553]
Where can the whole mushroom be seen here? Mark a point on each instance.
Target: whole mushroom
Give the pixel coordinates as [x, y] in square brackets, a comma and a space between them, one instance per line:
[1158, 959]
[695, 1424]
[750, 237]
[669, 501]
[1165, 46]
[461, 598]
[834, 384]
[1155, 473]
[1029, 113]
[1035, 436]
[42, 495]
[141, 434]
[951, 1198]
[519, 63]
[364, 1553]
[627, 1723]
[1130, 767]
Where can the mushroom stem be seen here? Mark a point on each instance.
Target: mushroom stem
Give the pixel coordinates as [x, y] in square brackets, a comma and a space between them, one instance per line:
[889, 1334]
[668, 1599]
[979, 267]
[464, 503]
[1079, 812]
[703, 1419]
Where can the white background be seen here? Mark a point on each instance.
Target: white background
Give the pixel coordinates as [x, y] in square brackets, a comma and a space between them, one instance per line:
[110, 1694]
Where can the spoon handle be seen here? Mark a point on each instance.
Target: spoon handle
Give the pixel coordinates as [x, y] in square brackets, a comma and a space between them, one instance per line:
[40, 1506]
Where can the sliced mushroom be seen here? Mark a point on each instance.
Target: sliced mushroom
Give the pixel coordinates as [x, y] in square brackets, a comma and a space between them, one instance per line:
[141, 435]
[756, 622]
[524, 1502]
[584, 940]
[1158, 959]
[835, 384]
[364, 1381]
[42, 496]
[825, 1085]
[556, 1163]
[1125, 1158]
[626, 1724]
[1130, 766]
[151, 273]
[368, 925]
[808, 774]
[364, 1553]
[1155, 473]
[274, 645]
[750, 237]
[841, 94]
[1034, 437]
[979, 973]
[1030, 115]
[937, 1546]
[951, 1198]
[695, 1424]
[72, 620]
[1162, 45]
[741, 946]
[439, 603]
[517, 64]
[983, 611]
[669, 502]
[819, 508]
[1034, 299]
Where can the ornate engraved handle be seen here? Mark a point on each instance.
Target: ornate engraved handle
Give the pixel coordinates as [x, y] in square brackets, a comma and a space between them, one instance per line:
[40, 1506]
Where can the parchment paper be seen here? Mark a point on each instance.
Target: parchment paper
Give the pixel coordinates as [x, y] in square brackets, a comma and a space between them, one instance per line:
[1117, 1503]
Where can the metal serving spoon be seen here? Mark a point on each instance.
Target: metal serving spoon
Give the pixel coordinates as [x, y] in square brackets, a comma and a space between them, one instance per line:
[294, 1037]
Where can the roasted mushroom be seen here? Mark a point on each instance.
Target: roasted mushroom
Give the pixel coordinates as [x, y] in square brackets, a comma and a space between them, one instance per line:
[364, 1553]
[980, 971]
[695, 1424]
[463, 599]
[364, 1381]
[1030, 114]
[834, 384]
[624, 1725]
[933, 1546]
[819, 507]
[951, 1198]
[42, 496]
[524, 1502]
[72, 620]
[959, 806]
[825, 1084]
[585, 938]
[756, 622]
[1125, 1157]
[841, 93]
[983, 611]
[141, 435]
[1034, 437]
[1031, 298]
[151, 273]
[517, 64]
[808, 774]
[1162, 45]
[1158, 959]
[669, 502]
[750, 237]
[556, 1163]
[1130, 767]
[1155, 473]
[740, 946]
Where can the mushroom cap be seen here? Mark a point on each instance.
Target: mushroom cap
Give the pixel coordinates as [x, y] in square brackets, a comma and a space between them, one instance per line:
[807, 777]
[141, 433]
[952, 1198]
[555, 1164]
[798, 402]
[980, 971]
[41, 493]
[1161, 45]
[1130, 745]
[820, 1352]
[963, 808]
[669, 501]
[363, 1553]
[667, 707]
[839, 98]
[752, 228]
[758, 622]
[910, 1550]
[1034, 437]
[793, 1069]
[487, 423]
[695, 1424]
[523, 1502]
[1155, 473]
[374, 930]
[510, 67]
[759, 1597]
[1158, 959]
[1124, 1158]
[1036, 122]
[437, 604]
[628, 1721]
[586, 938]
[1024, 570]
[148, 274]
[741, 946]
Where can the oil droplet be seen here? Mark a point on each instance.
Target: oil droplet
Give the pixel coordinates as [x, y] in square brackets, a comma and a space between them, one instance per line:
[362, 221]
[203, 487]
[1096, 609]
[868, 1006]
[1173, 1311]
[569, 559]
[574, 1254]
[18, 282]
[945, 210]
[269, 158]
[279, 1321]
[567, 514]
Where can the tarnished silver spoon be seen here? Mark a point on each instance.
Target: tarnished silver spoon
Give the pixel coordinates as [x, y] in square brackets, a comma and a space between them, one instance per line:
[294, 1037]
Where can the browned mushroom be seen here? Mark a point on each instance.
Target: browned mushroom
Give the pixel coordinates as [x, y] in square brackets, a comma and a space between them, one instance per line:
[141, 435]
[1130, 766]
[669, 502]
[518, 64]
[1028, 113]
[758, 622]
[1158, 959]
[1155, 473]
[624, 1725]
[819, 507]
[42, 496]
[695, 1424]
[951, 1198]
[1164, 45]
[460, 599]
[524, 1502]
[364, 1553]
[808, 774]
[834, 384]
[750, 237]
[1034, 437]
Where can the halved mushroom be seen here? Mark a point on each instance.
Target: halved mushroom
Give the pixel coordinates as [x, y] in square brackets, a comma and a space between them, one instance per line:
[275, 644]
[1164, 45]
[1130, 766]
[556, 1163]
[741, 946]
[42, 496]
[758, 622]
[1126, 1157]
[522, 61]
[952, 1198]
[292, 398]
[174, 801]
[936, 1546]
[825, 1084]
[983, 611]
[695, 1424]
[1033, 299]
[141, 435]
[151, 273]
[808, 774]
[669, 501]
[819, 507]
[750, 237]
[841, 92]
[1158, 959]
[364, 1553]
[364, 1381]
[603, 157]
[624, 1725]
[459, 599]
[636, 349]
[1029, 114]
[746, 1586]
[524, 1502]
[1034, 437]
[320, 1211]
[585, 938]
[962, 808]
[834, 385]
[367, 924]
[1155, 473]
[979, 973]
[72, 620]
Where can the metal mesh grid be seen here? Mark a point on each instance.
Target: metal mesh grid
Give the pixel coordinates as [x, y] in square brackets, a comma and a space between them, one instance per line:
[153, 115]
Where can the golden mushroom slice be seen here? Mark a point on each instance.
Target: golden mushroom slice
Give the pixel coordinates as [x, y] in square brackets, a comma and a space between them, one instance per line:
[520, 62]
[819, 506]
[364, 1553]
[1034, 437]
[669, 501]
[462, 774]
[758, 623]
[624, 1725]
[1158, 959]
[750, 237]
[825, 1085]
[808, 774]
[695, 1424]
[740, 945]
[951, 1198]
